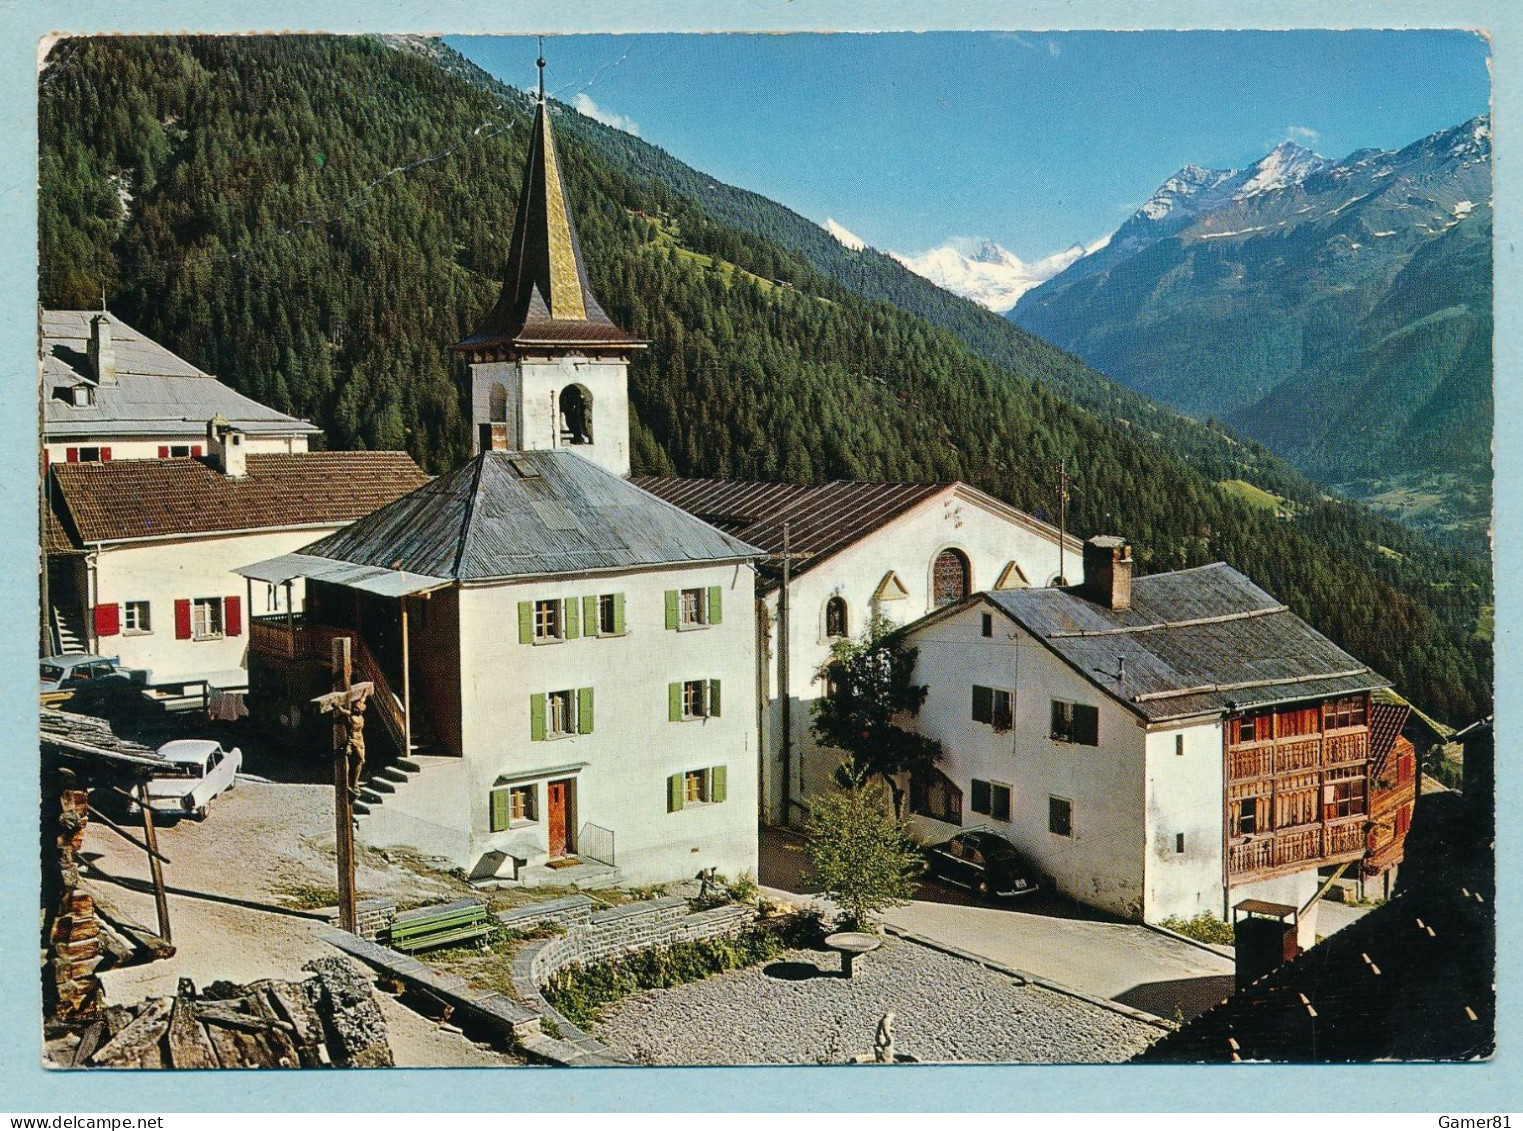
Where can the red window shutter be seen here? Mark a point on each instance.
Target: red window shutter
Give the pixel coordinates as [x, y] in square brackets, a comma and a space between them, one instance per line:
[105, 455]
[195, 451]
[47, 458]
[182, 620]
[232, 616]
[163, 451]
[108, 620]
[73, 455]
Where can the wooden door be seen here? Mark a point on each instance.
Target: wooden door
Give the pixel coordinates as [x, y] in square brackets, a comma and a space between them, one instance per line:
[556, 798]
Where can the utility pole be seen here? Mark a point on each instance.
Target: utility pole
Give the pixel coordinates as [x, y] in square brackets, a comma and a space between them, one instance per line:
[1062, 520]
[783, 645]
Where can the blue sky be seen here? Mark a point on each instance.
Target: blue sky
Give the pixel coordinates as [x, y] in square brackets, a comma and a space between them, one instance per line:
[1035, 139]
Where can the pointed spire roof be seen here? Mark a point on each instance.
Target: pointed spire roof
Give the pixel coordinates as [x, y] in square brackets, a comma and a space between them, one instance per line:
[546, 299]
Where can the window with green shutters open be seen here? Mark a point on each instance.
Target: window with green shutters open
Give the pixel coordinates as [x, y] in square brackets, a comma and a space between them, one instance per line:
[694, 608]
[560, 714]
[993, 706]
[692, 788]
[514, 806]
[567, 618]
[693, 699]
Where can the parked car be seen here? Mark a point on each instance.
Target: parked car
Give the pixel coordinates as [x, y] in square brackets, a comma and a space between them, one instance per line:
[90, 681]
[984, 862]
[213, 772]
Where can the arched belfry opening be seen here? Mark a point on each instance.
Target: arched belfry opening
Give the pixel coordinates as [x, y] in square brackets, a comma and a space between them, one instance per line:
[576, 415]
[950, 577]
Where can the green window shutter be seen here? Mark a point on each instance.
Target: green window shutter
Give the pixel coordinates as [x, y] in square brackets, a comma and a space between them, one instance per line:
[584, 710]
[674, 793]
[568, 617]
[672, 597]
[618, 612]
[674, 702]
[499, 810]
[714, 698]
[590, 626]
[717, 784]
[526, 622]
[983, 704]
[716, 605]
[537, 717]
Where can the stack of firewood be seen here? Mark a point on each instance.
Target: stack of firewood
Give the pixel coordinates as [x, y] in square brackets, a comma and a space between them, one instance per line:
[330, 1019]
[74, 944]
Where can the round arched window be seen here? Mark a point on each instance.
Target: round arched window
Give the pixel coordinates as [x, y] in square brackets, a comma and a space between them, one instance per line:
[835, 617]
[576, 415]
[950, 577]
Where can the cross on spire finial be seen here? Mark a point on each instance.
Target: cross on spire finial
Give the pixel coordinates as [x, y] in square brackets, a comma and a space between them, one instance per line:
[540, 63]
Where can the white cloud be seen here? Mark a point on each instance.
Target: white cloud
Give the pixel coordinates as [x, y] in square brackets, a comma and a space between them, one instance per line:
[1051, 45]
[1302, 135]
[583, 104]
[1053, 49]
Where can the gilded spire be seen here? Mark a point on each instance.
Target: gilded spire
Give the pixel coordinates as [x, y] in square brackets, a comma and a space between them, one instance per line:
[546, 299]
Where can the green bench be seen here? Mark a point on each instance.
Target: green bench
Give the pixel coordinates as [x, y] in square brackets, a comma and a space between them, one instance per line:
[427, 927]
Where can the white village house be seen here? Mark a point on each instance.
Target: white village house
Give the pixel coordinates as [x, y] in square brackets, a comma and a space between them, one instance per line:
[856, 550]
[565, 663]
[141, 552]
[110, 392]
[1170, 745]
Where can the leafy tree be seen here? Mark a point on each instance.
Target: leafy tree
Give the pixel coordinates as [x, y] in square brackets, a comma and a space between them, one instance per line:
[860, 855]
[868, 685]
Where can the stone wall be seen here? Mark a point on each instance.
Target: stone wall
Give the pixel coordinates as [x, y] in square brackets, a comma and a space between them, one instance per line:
[606, 935]
[372, 917]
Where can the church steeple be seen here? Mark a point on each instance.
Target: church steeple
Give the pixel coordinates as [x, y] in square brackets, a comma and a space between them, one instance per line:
[546, 300]
[549, 369]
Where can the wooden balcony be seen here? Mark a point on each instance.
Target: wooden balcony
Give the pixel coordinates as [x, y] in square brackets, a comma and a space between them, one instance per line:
[1269, 758]
[1294, 849]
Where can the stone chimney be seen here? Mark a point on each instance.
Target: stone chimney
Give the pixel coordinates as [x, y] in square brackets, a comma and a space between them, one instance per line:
[1108, 571]
[102, 352]
[224, 447]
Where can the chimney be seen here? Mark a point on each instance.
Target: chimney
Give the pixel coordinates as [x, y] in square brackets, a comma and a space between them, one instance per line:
[224, 446]
[1108, 571]
[102, 353]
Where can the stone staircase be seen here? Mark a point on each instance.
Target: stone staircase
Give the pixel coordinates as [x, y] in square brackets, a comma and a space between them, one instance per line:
[382, 783]
[586, 874]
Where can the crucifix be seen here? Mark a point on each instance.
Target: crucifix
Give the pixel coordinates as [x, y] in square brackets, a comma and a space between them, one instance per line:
[346, 702]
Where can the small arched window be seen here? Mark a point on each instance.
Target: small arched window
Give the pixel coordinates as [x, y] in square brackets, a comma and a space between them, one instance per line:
[835, 617]
[950, 577]
[576, 415]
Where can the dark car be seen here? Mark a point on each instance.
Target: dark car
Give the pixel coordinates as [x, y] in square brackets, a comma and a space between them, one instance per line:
[983, 862]
[90, 682]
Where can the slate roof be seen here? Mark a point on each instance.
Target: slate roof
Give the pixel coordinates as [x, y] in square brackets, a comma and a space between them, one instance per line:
[528, 514]
[154, 498]
[546, 299]
[91, 741]
[156, 393]
[1387, 720]
[1412, 980]
[1194, 642]
[823, 520]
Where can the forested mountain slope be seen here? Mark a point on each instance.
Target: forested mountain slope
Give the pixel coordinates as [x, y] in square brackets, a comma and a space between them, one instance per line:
[317, 220]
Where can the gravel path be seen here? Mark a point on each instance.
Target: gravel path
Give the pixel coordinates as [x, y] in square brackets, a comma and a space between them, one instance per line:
[798, 1010]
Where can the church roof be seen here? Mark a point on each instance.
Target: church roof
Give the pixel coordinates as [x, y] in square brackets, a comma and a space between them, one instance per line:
[527, 514]
[546, 299]
[156, 392]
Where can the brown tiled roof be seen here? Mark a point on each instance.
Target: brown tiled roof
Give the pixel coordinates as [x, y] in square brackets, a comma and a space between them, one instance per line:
[546, 299]
[821, 520]
[125, 499]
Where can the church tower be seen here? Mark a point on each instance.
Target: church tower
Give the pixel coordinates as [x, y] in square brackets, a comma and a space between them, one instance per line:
[549, 369]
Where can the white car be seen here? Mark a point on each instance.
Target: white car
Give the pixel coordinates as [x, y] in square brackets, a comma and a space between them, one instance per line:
[213, 771]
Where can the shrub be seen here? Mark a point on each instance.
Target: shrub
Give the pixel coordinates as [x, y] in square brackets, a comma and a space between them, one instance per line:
[1205, 927]
[860, 854]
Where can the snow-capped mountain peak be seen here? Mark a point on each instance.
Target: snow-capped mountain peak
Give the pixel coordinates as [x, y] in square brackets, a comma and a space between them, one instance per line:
[990, 275]
[1185, 185]
[1284, 165]
[847, 239]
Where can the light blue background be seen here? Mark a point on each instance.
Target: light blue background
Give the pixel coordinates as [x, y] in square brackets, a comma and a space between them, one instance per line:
[26, 1087]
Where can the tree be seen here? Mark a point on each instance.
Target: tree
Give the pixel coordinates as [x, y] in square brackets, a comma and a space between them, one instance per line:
[861, 857]
[868, 684]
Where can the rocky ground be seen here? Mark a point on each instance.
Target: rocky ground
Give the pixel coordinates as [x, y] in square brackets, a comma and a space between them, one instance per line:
[238, 881]
[798, 1010]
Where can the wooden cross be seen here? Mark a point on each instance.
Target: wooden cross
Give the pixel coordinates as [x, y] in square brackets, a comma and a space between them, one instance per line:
[346, 702]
